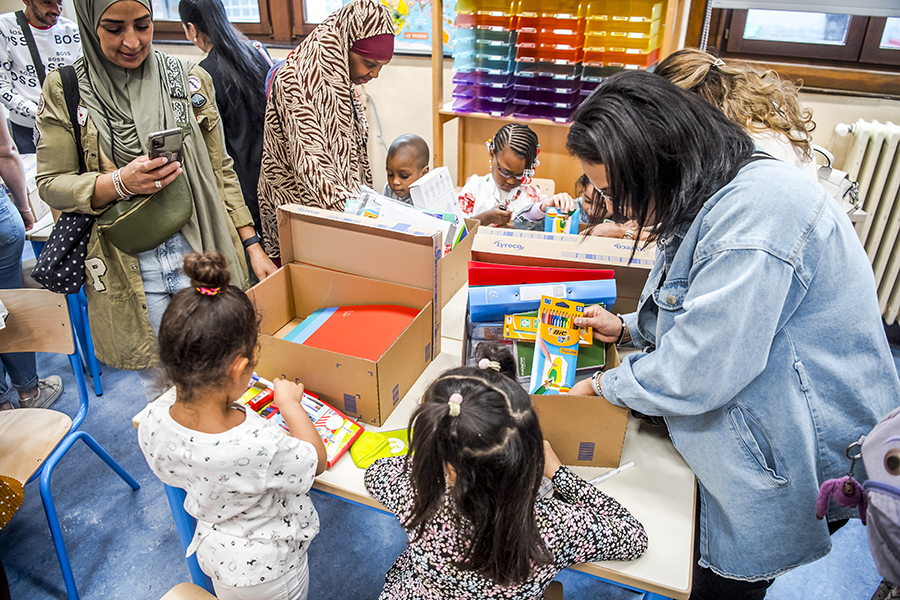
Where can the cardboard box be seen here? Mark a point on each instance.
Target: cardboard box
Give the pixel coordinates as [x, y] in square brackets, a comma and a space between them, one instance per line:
[455, 265]
[535, 248]
[585, 431]
[330, 259]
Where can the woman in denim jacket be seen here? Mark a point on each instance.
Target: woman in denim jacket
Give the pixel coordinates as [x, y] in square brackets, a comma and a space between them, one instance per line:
[762, 338]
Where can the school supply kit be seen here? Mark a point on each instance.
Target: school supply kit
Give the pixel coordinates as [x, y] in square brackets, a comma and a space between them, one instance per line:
[532, 311]
[337, 431]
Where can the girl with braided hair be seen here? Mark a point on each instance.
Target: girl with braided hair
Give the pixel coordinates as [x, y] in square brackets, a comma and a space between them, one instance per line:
[476, 462]
[496, 197]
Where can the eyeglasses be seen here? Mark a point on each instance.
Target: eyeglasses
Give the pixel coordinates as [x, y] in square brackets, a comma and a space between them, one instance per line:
[600, 195]
[507, 175]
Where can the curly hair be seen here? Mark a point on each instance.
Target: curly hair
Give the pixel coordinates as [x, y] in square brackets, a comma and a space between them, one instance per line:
[755, 100]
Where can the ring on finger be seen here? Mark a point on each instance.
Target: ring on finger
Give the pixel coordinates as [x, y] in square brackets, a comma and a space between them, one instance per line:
[157, 184]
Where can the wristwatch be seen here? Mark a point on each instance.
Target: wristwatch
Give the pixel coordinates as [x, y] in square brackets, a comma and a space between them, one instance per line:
[253, 239]
[624, 330]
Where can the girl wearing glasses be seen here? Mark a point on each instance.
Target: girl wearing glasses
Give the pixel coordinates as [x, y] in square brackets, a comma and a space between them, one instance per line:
[494, 198]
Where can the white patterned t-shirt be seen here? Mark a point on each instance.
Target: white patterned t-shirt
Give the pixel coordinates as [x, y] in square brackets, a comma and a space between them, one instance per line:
[248, 488]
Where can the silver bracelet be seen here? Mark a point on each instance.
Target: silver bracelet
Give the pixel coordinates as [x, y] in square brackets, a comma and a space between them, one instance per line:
[595, 383]
[121, 190]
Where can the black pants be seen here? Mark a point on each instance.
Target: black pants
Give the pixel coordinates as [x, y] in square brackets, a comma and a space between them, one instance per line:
[23, 137]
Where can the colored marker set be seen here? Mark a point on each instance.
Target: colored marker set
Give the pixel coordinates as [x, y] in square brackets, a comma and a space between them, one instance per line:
[524, 326]
[556, 352]
[336, 430]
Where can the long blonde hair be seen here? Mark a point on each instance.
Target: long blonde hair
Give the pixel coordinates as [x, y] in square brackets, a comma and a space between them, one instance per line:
[755, 100]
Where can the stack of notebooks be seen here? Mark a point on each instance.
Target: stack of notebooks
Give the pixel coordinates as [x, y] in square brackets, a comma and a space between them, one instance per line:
[504, 302]
[338, 432]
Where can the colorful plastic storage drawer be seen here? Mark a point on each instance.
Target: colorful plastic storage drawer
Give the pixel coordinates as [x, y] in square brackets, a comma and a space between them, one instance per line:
[560, 115]
[595, 74]
[540, 98]
[610, 57]
[493, 36]
[481, 91]
[480, 105]
[545, 69]
[471, 62]
[474, 6]
[618, 43]
[483, 48]
[548, 84]
[499, 21]
[480, 78]
[550, 37]
[638, 27]
[626, 10]
[535, 23]
[552, 54]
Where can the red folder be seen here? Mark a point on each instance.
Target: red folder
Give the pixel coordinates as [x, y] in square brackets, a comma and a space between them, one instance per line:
[360, 331]
[482, 273]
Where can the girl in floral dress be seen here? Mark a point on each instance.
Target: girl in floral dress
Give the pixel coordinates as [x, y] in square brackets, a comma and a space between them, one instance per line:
[476, 463]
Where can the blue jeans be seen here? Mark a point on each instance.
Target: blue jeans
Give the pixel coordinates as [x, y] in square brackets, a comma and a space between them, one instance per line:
[162, 277]
[20, 366]
[24, 138]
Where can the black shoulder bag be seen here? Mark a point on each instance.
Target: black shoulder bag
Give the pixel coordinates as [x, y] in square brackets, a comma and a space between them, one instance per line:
[60, 267]
[22, 20]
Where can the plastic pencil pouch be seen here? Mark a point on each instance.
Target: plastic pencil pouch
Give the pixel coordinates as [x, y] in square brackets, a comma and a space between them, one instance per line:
[371, 446]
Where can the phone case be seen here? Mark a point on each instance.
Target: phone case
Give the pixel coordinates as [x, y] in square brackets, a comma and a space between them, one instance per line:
[166, 143]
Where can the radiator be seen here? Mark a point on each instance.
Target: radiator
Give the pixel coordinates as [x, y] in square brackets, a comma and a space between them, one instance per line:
[872, 161]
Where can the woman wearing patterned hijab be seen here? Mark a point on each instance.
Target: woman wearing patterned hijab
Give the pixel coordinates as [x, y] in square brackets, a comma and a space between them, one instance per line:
[314, 146]
[128, 91]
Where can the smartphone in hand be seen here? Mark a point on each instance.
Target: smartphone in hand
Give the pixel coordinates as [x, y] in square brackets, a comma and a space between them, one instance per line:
[166, 143]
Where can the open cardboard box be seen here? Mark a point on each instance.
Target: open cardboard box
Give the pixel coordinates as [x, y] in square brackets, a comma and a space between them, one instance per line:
[585, 431]
[332, 259]
[455, 265]
[539, 249]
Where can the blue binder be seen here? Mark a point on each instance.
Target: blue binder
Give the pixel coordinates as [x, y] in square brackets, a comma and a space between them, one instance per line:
[492, 302]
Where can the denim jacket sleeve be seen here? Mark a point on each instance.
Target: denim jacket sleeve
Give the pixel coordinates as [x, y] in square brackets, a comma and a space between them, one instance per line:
[731, 298]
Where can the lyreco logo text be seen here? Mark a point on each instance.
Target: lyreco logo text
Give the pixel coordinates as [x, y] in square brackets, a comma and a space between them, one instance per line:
[623, 246]
[508, 246]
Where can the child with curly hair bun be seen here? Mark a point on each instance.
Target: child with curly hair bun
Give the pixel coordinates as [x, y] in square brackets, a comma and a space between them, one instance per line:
[247, 481]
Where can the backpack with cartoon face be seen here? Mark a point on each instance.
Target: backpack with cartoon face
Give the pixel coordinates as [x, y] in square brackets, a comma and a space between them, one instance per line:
[881, 455]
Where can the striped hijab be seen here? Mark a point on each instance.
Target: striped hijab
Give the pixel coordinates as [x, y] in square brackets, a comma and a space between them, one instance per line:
[314, 144]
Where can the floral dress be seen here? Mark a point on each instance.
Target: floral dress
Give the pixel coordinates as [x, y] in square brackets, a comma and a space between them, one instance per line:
[586, 525]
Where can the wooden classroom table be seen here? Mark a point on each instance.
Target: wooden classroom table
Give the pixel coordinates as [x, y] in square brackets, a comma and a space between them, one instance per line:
[660, 489]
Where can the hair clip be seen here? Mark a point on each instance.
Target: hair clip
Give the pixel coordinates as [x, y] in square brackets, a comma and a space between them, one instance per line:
[208, 291]
[719, 63]
[485, 363]
[490, 144]
[455, 402]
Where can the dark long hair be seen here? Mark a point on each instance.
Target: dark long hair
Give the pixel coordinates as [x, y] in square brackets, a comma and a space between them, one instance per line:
[666, 151]
[496, 447]
[242, 68]
[206, 326]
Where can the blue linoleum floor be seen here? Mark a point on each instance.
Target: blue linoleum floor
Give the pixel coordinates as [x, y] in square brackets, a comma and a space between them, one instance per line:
[124, 546]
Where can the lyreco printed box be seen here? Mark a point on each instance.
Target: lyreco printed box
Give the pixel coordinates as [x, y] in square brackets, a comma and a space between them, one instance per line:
[539, 249]
[332, 259]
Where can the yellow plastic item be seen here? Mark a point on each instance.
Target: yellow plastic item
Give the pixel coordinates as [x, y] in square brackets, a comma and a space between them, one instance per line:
[371, 446]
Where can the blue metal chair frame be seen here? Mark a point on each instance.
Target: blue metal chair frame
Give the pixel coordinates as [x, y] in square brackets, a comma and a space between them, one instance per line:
[186, 524]
[46, 471]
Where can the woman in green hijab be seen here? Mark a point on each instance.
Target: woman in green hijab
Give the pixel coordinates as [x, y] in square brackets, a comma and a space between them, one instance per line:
[128, 91]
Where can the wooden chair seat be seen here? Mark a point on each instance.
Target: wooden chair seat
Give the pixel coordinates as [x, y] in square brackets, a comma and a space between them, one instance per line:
[27, 437]
[187, 591]
[548, 186]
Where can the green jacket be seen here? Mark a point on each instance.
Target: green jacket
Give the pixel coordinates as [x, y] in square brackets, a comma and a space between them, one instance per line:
[120, 324]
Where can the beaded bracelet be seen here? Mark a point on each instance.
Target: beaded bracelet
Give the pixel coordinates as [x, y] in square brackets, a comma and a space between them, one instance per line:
[121, 190]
